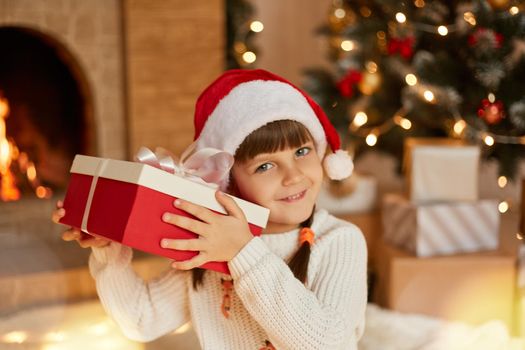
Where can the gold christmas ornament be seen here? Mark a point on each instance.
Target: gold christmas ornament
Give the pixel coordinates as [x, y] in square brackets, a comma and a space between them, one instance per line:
[370, 83]
[499, 4]
[339, 17]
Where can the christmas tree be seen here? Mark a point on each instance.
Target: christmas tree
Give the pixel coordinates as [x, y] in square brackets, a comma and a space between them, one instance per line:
[426, 68]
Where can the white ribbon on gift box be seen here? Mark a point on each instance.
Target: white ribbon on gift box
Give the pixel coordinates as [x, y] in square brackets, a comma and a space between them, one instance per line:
[207, 166]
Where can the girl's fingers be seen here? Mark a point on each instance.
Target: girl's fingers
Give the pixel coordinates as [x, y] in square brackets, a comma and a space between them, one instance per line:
[229, 204]
[59, 204]
[187, 223]
[88, 242]
[183, 244]
[192, 263]
[198, 211]
[71, 235]
[58, 214]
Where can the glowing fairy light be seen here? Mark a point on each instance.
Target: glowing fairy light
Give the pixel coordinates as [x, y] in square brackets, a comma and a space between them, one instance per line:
[400, 17]
[55, 337]
[428, 95]
[459, 126]
[340, 13]
[347, 45]
[503, 206]
[491, 97]
[256, 26]
[371, 139]
[514, 10]
[502, 181]
[442, 30]
[15, 337]
[249, 57]
[360, 119]
[419, 3]
[371, 67]
[469, 18]
[403, 122]
[519, 236]
[489, 140]
[411, 79]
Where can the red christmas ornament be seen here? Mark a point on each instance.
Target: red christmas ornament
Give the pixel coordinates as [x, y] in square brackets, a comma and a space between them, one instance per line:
[492, 113]
[482, 33]
[346, 84]
[402, 46]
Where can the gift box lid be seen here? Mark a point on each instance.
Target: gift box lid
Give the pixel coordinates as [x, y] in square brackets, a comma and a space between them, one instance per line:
[164, 182]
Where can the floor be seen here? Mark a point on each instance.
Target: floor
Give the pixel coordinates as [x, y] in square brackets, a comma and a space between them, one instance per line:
[85, 326]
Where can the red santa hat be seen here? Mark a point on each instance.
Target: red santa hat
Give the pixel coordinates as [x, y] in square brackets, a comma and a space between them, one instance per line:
[241, 101]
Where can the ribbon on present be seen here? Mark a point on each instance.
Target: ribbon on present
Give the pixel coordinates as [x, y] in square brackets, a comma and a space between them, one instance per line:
[207, 166]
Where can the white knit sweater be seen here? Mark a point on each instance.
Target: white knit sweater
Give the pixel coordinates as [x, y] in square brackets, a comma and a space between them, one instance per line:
[268, 302]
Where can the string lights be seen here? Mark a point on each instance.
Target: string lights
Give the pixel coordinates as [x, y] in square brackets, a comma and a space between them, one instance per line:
[460, 127]
[369, 130]
[244, 56]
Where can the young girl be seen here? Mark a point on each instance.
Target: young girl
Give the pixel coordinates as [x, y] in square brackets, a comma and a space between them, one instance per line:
[301, 284]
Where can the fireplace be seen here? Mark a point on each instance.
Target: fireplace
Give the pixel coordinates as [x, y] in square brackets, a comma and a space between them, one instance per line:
[61, 93]
[47, 109]
[129, 73]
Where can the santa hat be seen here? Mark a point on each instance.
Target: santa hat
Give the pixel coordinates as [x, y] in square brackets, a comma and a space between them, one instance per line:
[241, 101]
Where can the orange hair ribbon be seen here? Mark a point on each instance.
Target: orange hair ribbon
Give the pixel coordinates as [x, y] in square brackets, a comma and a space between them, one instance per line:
[306, 235]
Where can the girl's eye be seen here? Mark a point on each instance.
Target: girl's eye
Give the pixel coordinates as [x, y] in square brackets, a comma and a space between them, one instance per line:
[301, 152]
[263, 167]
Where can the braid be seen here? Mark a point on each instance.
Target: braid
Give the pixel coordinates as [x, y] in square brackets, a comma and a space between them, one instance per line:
[299, 261]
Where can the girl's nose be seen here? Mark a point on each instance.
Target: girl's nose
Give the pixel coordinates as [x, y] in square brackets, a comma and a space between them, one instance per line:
[293, 175]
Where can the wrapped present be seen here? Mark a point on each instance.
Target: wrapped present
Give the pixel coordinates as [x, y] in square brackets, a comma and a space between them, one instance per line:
[474, 288]
[124, 202]
[441, 169]
[440, 228]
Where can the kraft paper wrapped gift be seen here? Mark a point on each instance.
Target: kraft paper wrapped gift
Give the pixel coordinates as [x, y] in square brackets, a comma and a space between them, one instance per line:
[441, 169]
[440, 228]
[124, 202]
[474, 288]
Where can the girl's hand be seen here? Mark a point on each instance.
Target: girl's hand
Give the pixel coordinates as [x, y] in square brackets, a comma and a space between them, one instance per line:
[74, 234]
[221, 237]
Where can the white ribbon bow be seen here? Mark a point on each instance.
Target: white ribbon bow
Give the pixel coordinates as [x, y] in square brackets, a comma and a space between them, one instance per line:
[208, 166]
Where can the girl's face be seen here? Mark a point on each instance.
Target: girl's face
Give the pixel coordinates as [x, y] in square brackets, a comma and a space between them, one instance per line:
[287, 182]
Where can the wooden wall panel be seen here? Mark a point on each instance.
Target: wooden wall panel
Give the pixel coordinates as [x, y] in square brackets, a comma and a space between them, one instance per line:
[173, 49]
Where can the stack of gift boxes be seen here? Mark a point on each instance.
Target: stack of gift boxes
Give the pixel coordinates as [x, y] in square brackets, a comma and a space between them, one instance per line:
[439, 253]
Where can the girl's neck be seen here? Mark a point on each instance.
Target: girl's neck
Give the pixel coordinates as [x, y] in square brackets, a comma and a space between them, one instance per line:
[273, 227]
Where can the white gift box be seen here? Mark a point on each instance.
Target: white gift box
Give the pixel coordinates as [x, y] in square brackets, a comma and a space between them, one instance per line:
[441, 170]
[440, 228]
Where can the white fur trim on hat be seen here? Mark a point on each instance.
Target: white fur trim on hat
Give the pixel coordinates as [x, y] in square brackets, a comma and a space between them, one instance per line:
[338, 165]
[253, 104]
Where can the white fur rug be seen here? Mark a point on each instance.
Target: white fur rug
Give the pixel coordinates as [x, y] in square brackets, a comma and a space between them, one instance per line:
[388, 330]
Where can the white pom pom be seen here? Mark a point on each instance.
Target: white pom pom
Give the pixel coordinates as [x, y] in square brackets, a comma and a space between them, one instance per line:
[338, 165]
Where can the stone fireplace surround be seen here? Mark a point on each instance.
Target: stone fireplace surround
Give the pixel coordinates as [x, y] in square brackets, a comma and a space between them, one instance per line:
[122, 52]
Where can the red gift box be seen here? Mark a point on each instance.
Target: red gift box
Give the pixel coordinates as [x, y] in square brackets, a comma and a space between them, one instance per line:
[124, 202]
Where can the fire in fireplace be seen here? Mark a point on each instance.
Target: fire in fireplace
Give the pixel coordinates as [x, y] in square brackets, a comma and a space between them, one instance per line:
[43, 104]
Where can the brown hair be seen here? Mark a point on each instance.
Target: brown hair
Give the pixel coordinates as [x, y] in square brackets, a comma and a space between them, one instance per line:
[275, 136]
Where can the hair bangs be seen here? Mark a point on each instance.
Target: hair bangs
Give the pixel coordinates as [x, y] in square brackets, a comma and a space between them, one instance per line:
[272, 137]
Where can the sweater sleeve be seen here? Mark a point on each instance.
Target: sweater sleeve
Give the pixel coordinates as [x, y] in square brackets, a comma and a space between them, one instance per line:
[329, 315]
[143, 310]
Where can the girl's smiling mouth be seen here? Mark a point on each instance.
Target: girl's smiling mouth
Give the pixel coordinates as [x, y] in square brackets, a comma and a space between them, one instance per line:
[295, 197]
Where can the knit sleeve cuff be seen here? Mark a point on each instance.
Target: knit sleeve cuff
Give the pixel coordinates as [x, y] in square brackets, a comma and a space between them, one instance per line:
[248, 257]
[114, 253]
